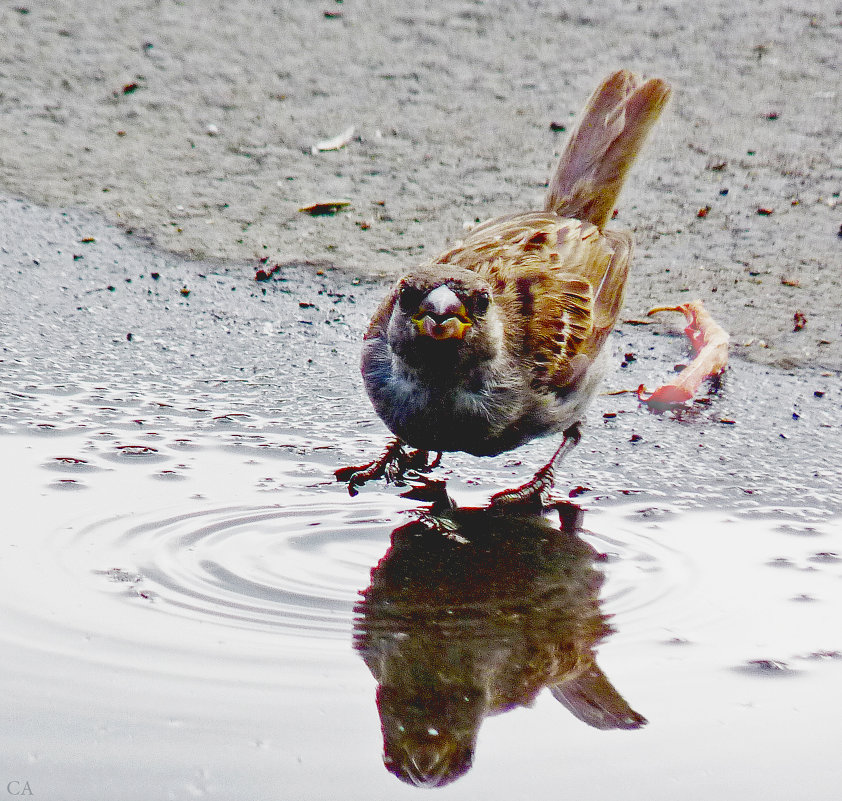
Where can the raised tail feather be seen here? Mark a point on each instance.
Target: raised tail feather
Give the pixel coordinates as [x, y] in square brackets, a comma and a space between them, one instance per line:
[603, 146]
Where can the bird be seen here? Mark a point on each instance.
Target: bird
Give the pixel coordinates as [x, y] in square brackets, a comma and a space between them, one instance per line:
[501, 338]
[472, 613]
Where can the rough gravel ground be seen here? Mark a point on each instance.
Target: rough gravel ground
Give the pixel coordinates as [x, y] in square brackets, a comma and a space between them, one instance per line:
[192, 122]
[122, 340]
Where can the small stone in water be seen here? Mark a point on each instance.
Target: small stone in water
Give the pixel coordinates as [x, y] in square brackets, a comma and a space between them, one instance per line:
[768, 667]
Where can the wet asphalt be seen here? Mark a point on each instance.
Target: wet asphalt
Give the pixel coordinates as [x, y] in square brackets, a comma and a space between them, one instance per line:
[88, 304]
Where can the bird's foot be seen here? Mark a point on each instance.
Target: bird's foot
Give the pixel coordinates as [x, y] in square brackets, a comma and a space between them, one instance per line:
[392, 465]
[535, 493]
[531, 495]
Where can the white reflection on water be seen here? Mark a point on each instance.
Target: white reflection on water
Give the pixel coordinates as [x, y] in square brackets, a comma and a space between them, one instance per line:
[191, 638]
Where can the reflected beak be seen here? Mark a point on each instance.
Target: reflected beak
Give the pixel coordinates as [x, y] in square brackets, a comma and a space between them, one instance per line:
[442, 315]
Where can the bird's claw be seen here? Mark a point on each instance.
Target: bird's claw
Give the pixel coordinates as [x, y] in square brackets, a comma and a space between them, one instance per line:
[532, 495]
[535, 493]
[392, 465]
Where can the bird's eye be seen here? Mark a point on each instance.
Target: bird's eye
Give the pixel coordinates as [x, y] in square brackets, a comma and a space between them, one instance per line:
[481, 303]
[409, 299]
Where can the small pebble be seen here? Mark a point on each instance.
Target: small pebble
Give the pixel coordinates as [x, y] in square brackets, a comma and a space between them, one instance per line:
[769, 667]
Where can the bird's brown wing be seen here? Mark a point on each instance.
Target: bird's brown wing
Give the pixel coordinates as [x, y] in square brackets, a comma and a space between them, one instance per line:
[559, 283]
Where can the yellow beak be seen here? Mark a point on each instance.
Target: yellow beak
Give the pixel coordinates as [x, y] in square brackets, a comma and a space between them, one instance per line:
[449, 328]
[442, 315]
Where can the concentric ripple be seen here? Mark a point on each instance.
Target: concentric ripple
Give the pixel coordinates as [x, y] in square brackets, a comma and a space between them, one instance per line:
[215, 592]
[225, 591]
[270, 581]
[291, 569]
[643, 571]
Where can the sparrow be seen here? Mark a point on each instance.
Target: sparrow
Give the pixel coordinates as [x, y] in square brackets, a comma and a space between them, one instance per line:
[472, 613]
[501, 339]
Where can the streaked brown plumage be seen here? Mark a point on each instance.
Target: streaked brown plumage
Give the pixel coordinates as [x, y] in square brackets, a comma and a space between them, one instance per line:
[472, 613]
[500, 339]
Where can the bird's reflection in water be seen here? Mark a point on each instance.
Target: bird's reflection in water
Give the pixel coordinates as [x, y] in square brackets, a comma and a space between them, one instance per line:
[471, 613]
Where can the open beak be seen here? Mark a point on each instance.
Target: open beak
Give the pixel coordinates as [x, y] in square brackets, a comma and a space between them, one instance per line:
[442, 315]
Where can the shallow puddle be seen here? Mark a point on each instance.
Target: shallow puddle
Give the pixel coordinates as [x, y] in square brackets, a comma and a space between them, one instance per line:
[180, 622]
[188, 602]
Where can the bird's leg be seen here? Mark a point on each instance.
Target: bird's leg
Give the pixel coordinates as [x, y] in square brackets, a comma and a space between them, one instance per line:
[392, 465]
[534, 491]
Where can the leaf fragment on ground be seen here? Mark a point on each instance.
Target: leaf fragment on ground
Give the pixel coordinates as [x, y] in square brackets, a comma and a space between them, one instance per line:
[336, 142]
[325, 207]
[710, 344]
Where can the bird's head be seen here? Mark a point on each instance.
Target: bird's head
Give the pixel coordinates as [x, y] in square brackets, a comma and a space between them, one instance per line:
[429, 738]
[444, 317]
